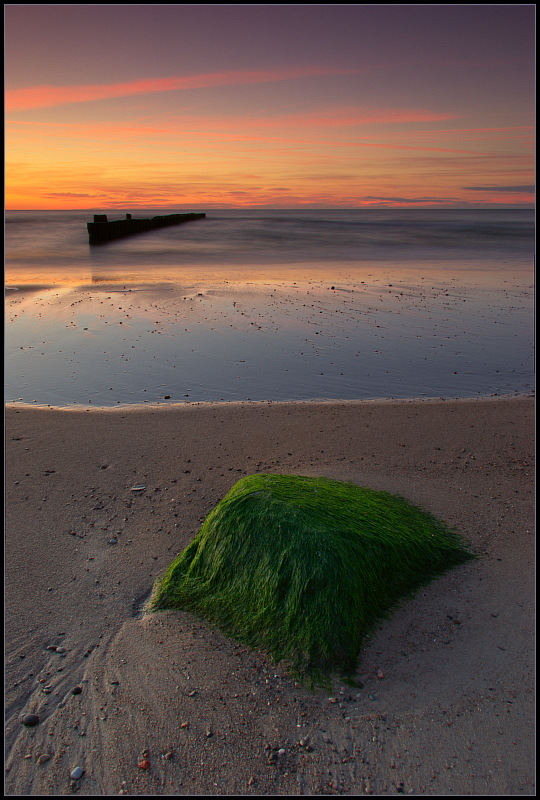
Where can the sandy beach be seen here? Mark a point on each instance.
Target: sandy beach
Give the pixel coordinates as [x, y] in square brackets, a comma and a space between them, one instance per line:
[269, 367]
[447, 704]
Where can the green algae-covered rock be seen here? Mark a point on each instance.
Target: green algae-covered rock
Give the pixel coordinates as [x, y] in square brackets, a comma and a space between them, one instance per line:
[304, 567]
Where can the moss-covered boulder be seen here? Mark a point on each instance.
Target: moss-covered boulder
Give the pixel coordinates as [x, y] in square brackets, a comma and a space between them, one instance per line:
[304, 567]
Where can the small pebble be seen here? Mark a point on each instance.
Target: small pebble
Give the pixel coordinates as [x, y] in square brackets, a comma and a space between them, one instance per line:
[76, 773]
[144, 764]
[43, 758]
[76, 690]
[30, 720]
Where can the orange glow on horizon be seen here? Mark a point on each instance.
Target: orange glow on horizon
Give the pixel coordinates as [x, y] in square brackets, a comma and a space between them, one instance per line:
[342, 157]
[168, 106]
[69, 148]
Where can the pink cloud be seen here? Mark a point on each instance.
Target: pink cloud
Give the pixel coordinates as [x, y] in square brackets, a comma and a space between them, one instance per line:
[324, 118]
[390, 146]
[520, 128]
[263, 128]
[360, 116]
[48, 96]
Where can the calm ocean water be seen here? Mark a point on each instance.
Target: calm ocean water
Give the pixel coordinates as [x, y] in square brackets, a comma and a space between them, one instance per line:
[59, 239]
[406, 303]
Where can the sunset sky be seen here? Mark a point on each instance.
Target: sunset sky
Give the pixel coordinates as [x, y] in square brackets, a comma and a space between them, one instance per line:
[214, 106]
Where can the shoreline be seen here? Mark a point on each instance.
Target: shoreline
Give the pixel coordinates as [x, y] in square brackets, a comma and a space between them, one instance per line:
[447, 704]
[78, 407]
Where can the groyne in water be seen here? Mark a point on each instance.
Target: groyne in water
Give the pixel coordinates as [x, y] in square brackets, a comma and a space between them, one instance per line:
[101, 230]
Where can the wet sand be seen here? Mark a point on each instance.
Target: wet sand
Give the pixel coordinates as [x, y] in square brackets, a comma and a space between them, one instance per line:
[447, 704]
[282, 337]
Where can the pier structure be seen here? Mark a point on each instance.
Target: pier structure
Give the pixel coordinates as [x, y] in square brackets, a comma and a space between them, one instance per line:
[101, 230]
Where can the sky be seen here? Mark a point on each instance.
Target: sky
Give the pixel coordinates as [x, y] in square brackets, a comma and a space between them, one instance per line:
[269, 106]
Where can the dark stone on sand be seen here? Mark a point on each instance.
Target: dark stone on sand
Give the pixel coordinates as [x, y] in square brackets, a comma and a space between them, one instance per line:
[29, 720]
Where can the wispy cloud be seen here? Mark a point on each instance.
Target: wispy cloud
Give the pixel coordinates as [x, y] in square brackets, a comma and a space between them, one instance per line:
[350, 116]
[519, 188]
[325, 124]
[391, 201]
[326, 117]
[423, 148]
[48, 96]
[70, 195]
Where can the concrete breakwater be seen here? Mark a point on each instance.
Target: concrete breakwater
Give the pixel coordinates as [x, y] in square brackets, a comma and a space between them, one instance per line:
[101, 230]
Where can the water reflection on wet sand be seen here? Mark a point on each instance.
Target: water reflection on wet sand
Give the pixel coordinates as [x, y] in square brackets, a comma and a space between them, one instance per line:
[300, 333]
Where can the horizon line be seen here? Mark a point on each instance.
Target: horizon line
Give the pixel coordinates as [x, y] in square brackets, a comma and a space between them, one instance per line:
[426, 207]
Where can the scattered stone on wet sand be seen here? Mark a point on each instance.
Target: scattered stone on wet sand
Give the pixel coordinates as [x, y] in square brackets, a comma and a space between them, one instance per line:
[76, 773]
[29, 720]
[54, 648]
[43, 758]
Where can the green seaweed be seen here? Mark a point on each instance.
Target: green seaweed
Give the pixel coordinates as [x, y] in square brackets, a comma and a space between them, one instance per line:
[304, 568]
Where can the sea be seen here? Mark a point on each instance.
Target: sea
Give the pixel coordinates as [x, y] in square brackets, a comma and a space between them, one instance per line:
[270, 305]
